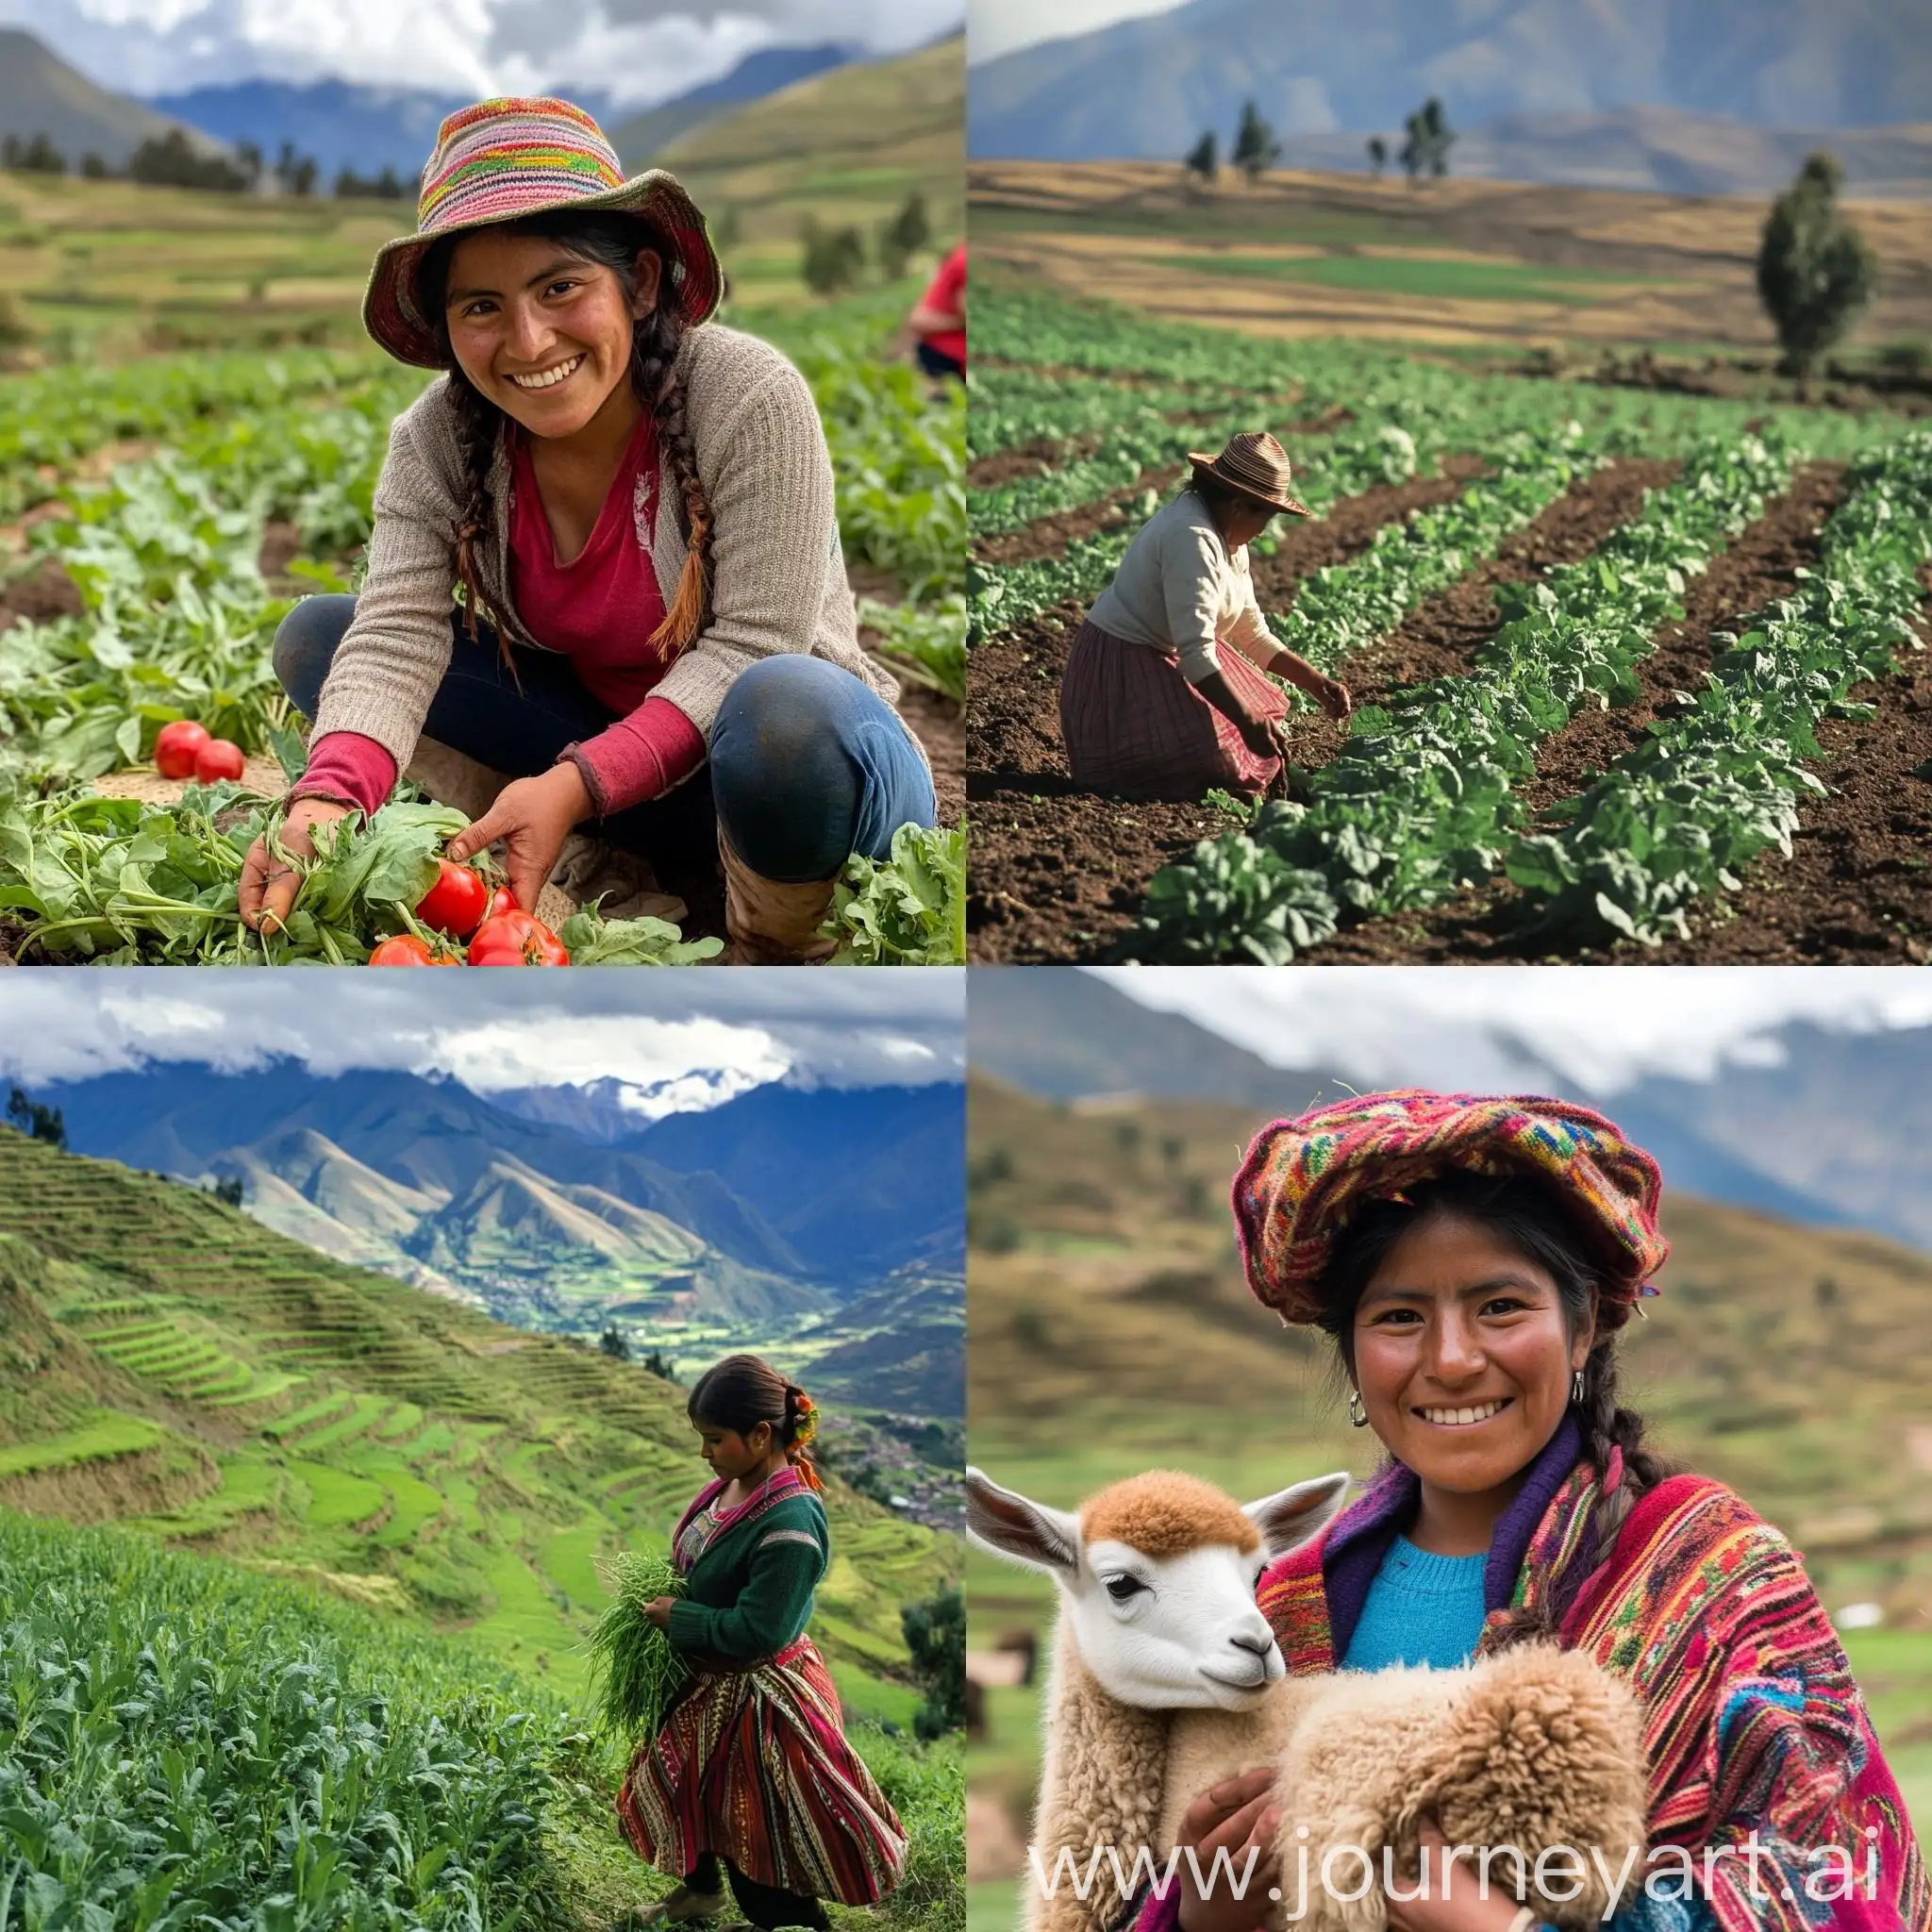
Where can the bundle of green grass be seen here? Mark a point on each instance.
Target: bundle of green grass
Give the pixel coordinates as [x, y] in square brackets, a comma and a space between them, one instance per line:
[636, 1675]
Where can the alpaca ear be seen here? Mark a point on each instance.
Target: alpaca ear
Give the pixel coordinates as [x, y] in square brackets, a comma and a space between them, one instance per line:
[1294, 1516]
[1020, 1529]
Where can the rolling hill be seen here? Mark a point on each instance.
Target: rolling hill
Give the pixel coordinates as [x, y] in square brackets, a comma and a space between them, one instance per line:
[639, 138]
[1147, 87]
[169, 1364]
[40, 94]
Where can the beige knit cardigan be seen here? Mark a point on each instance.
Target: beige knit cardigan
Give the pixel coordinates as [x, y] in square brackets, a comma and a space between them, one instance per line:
[778, 579]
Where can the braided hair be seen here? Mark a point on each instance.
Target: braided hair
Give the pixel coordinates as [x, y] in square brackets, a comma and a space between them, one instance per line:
[744, 1390]
[1529, 1219]
[612, 239]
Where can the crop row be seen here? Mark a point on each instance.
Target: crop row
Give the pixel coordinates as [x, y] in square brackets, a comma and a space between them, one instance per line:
[1419, 800]
[1678, 817]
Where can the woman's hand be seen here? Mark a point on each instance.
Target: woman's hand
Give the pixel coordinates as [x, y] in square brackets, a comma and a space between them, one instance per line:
[1464, 1910]
[269, 884]
[1258, 733]
[659, 1610]
[1239, 1814]
[1332, 696]
[533, 817]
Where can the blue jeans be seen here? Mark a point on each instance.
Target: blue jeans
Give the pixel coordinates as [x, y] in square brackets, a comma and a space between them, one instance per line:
[809, 764]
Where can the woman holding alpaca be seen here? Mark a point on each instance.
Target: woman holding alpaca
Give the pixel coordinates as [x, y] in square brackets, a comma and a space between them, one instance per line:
[1473, 1261]
[657, 638]
[750, 1777]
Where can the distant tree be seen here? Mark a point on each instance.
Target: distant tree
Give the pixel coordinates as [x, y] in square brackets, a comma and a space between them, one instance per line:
[935, 1633]
[92, 166]
[834, 258]
[1378, 154]
[37, 1122]
[1203, 157]
[1254, 146]
[382, 187]
[303, 181]
[389, 184]
[36, 156]
[248, 163]
[171, 161]
[655, 1363]
[903, 236]
[228, 1190]
[1815, 272]
[613, 1342]
[1425, 151]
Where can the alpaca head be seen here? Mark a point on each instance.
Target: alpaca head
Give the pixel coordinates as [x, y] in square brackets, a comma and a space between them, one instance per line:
[1156, 1578]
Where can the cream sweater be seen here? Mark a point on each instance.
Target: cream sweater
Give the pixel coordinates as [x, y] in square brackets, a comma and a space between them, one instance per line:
[1180, 593]
[778, 579]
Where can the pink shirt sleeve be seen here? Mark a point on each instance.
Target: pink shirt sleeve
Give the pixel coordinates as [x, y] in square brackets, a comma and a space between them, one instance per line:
[348, 768]
[640, 757]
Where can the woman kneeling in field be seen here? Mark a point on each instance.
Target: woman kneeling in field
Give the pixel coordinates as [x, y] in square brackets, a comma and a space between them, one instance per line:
[1153, 704]
[656, 632]
[750, 1778]
[1473, 1261]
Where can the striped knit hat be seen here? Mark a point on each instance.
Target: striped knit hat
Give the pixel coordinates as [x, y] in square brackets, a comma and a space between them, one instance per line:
[1254, 463]
[503, 159]
[1305, 1179]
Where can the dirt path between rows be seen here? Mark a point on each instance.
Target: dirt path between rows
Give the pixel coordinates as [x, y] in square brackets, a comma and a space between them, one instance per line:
[1059, 875]
[1758, 567]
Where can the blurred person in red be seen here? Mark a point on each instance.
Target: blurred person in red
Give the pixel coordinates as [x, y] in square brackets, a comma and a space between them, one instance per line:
[939, 319]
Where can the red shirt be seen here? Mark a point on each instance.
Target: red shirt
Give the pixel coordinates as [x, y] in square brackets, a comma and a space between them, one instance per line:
[948, 287]
[599, 610]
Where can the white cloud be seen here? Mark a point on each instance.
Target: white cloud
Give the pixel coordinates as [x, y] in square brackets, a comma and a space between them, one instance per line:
[639, 51]
[1603, 1028]
[999, 26]
[680, 1040]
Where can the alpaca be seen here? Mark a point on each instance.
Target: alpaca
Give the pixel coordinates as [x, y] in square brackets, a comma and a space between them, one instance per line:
[1166, 1679]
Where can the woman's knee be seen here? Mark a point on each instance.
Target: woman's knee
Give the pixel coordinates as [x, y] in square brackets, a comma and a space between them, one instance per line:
[305, 646]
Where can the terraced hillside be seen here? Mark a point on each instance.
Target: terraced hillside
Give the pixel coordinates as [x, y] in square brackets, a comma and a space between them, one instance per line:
[1637, 674]
[169, 1364]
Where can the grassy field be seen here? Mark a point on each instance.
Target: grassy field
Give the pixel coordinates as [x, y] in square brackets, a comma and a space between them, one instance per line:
[1454, 262]
[1097, 1230]
[172, 1366]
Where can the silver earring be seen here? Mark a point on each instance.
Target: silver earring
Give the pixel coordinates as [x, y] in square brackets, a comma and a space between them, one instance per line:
[1356, 1413]
[1576, 1388]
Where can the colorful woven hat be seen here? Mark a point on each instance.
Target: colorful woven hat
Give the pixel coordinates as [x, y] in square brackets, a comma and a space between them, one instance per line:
[503, 159]
[1305, 1179]
[1256, 465]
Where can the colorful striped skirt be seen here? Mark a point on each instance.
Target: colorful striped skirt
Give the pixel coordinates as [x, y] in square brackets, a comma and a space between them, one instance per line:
[753, 1764]
[1133, 725]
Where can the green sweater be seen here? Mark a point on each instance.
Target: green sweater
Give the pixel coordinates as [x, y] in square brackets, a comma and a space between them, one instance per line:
[750, 1593]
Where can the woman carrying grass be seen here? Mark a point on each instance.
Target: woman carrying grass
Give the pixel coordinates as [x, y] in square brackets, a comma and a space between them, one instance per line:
[1473, 1261]
[1163, 696]
[656, 640]
[750, 1777]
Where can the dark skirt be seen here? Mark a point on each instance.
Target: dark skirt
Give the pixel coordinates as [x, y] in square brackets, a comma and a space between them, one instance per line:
[1134, 726]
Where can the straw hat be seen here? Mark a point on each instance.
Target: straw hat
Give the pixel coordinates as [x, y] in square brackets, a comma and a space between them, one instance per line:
[503, 159]
[1254, 464]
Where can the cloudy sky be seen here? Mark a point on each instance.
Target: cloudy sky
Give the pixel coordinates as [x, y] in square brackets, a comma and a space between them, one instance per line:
[640, 51]
[1450, 1028]
[997, 27]
[681, 1039]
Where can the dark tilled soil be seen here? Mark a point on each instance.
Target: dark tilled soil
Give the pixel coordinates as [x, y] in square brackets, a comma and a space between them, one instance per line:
[938, 724]
[1059, 875]
[1049, 535]
[1851, 892]
[40, 595]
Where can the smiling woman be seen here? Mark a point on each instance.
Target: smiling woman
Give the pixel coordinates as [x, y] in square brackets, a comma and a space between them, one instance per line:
[656, 640]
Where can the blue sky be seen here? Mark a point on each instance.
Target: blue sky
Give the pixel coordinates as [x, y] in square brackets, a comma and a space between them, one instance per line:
[677, 1034]
[640, 51]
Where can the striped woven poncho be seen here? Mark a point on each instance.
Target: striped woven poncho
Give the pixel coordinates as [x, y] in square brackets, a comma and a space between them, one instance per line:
[1753, 1722]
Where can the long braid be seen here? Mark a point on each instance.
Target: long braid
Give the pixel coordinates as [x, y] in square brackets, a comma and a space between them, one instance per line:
[479, 423]
[661, 388]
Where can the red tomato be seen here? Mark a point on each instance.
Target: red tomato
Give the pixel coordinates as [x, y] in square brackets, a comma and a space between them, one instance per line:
[405, 949]
[515, 939]
[220, 758]
[501, 901]
[457, 902]
[175, 747]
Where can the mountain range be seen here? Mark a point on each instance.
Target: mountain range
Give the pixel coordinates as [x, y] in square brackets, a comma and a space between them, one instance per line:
[1825, 1129]
[784, 1205]
[40, 94]
[1147, 87]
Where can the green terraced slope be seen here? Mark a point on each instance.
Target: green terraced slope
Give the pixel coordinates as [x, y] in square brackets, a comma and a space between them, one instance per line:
[168, 1363]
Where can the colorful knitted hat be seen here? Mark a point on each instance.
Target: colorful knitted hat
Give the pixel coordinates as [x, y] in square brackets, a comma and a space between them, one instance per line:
[502, 158]
[1305, 1179]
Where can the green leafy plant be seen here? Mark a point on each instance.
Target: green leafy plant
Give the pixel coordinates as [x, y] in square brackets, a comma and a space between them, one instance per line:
[636, 1675]
[908, 910]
